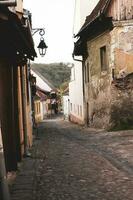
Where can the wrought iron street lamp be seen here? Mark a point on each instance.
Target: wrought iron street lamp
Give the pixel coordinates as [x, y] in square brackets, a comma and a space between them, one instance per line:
[42, 47]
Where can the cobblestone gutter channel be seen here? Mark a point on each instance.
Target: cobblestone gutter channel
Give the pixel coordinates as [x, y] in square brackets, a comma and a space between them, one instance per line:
[74, 163]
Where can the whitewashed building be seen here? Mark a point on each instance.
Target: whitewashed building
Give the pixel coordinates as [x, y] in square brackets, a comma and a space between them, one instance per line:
[82, 9]
[66, 107]
[40, 102]
[41, 82]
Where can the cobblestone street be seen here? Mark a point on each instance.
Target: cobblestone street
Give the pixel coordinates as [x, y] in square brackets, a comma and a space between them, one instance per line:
[75, 163]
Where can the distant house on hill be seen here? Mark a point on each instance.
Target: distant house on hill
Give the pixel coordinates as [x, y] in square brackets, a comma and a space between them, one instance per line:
[41, 107]
[42, 82]
[41, 98]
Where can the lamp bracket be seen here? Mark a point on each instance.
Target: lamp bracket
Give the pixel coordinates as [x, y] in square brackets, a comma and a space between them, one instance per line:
[40, 30]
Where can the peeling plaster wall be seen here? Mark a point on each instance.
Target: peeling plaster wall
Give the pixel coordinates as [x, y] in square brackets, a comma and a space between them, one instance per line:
[97, 91]
[104, 97]
[121, 114]
[123, 52]
[121, 9]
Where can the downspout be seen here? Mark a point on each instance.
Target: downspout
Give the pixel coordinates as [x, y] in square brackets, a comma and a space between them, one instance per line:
[4, 191]
[9, 3]
[84, 102]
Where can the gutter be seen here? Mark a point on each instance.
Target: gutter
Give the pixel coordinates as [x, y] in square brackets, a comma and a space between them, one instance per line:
[11, 3]
[76, 59]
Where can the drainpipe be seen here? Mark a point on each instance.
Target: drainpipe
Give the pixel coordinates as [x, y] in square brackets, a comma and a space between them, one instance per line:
[24, 105]
[11, 3]
[4, 191]
[76, 59]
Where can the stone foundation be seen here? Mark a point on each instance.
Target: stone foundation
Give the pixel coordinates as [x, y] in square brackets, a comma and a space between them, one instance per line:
[121, 115]
[115, 111]
[76, 120]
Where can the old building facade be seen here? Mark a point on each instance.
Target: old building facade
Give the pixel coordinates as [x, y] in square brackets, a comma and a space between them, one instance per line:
[105, 41]
[40, 100]
[76, 104]
[16, 50]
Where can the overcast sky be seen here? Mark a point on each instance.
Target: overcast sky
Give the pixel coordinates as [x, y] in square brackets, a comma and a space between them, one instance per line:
[56, 16]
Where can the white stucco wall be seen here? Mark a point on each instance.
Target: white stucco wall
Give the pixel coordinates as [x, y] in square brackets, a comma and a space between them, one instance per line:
[41, 83]
[82, 9]
[66, 106]
[76, 92]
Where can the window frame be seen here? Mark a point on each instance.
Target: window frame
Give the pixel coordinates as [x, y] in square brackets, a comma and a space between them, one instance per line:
[103, 58]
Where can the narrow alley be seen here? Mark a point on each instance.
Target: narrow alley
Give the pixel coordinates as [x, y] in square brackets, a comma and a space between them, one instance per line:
[66, 100]
[70, 162]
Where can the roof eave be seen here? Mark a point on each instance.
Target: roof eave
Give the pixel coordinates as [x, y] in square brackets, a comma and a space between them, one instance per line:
[93, 30]
[101, 12]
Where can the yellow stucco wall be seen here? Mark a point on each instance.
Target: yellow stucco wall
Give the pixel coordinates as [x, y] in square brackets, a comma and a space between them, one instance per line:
[37, 107]
[19, 7]
[97, 90]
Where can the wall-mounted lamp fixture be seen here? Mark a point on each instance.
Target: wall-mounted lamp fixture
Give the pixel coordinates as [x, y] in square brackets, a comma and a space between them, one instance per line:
[42, 47]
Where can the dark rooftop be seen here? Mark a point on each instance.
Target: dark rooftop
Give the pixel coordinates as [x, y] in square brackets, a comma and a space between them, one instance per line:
[97, 11]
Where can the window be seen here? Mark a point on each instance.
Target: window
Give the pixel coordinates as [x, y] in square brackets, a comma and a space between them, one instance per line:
[103, 58]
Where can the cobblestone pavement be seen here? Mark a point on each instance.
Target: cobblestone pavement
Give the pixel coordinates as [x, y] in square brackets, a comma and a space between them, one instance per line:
[75, 163]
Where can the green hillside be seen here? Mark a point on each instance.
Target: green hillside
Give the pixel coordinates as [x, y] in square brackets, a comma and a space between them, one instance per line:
[55, 73]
